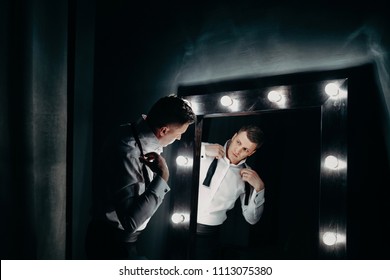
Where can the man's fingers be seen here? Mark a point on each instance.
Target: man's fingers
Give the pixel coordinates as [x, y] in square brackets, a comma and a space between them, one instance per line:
[150, 157]
[245, 171]
[215, 150]
[220, 152]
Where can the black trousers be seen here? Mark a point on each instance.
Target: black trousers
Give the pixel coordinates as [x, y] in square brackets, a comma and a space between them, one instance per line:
[103, 243]
[207, 244]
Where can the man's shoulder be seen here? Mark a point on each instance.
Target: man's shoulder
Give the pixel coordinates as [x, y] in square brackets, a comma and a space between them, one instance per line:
[127, 142]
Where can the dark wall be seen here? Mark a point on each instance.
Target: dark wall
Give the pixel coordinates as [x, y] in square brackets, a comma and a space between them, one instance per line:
[33, 128]
[4, 119]
[368, 170]
[84, 40]
[147, 51]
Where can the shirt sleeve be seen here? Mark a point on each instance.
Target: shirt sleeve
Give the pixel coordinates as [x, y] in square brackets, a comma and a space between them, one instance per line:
[132, 202]
[203, 150]
[254, 210]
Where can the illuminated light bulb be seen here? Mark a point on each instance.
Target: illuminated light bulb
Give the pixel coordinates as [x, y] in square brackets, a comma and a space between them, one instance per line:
[329, 238]
[332, 89]
[177, 218]
[274, 96]
[226, 101]
[182, 160]
[331, 162]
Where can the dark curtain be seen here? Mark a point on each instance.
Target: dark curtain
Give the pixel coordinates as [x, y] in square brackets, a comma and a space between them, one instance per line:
[33, 128]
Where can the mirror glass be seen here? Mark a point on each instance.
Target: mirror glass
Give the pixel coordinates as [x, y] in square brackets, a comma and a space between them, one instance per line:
[288, 163]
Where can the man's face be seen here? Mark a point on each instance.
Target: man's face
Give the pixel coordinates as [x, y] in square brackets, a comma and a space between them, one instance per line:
[170, 133]
[240, 147]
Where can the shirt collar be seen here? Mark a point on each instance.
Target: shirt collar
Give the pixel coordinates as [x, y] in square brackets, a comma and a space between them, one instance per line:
[147, 138]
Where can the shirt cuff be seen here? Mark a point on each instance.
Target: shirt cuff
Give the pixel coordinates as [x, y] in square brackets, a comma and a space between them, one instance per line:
[159, 187]
[259, 197]
[203, 150]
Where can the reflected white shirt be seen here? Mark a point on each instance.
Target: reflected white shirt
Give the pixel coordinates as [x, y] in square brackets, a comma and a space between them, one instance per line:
[225, 188]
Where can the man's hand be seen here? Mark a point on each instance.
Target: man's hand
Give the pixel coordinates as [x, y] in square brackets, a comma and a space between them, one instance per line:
[251, 176]
[214, 150]
[157, 164]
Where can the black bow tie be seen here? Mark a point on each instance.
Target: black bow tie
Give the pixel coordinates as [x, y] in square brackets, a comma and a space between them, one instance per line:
[210, 173]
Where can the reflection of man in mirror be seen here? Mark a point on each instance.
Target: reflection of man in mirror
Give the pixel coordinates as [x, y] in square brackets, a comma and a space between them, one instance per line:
[224, 178]
[132, 180]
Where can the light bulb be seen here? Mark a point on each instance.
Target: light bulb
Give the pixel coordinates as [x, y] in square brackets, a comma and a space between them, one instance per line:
[332, 89]
[329, 238]
[178, 218]
[274, 96]
[331, 162]
[226, 101]
[182, 160]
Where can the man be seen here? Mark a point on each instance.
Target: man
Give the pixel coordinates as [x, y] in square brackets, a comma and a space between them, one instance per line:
[132, 180]
[225, 177]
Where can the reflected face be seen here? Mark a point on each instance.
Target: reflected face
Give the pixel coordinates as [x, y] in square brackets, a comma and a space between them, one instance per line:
[168, 134]
[240, 147]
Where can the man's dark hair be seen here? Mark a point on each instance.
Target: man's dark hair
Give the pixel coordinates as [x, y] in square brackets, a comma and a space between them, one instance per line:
[170, 110]
[254, 134]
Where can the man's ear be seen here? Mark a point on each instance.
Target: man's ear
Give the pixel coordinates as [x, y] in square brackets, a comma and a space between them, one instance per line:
[163, 130]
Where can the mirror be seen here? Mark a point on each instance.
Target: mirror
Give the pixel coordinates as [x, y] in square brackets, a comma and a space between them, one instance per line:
[288, 164]
[302, 162]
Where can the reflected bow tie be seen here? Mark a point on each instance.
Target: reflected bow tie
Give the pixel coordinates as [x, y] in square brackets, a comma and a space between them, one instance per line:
[210, 173]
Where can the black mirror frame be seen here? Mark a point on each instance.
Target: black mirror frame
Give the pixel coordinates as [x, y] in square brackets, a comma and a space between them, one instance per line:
[250, 96]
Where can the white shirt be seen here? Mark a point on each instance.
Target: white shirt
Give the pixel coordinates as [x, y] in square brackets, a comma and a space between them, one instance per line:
[225, 188]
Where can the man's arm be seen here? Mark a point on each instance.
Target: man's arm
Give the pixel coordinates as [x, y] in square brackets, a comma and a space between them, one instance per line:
[134, 209]
[253, 211]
